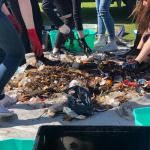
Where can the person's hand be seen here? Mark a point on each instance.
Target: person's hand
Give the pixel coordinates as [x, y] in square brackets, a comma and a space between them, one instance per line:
[35, 42]
[85, 47]
[15, 23]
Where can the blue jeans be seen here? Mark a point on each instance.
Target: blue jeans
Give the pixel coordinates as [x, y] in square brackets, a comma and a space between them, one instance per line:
[13, 51]
[105, 21]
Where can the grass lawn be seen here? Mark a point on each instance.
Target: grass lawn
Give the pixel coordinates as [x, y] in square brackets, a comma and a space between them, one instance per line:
[119, 16]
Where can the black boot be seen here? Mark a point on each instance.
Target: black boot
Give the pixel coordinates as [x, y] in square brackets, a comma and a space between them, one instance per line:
[86, 48]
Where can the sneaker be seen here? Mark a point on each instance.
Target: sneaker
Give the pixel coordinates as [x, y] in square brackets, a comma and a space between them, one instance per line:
[47, 61]
[4, 112]
[110, 47]
[56, 52]
[100, 42]
[7, 101]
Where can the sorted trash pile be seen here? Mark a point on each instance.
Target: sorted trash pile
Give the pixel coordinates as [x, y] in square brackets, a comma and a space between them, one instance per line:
[98, 83]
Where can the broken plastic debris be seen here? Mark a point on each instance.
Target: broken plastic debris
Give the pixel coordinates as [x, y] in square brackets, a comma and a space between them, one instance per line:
[72, 114]
[74, 83]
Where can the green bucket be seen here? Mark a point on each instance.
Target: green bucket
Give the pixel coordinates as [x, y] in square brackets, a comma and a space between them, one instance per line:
[142, 116]
[16, 144]
[74, 46]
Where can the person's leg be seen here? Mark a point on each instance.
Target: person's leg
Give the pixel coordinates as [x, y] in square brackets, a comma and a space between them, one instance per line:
[101, 25]
[101, 41]
[38, 22]
[109, 24]
[76, 8]
[37, 18]
[27, 15]
[48, 7]
[12, 46]
[14, 50]
[61, 38]
[105, 15]
[22, 6]
[66, 13]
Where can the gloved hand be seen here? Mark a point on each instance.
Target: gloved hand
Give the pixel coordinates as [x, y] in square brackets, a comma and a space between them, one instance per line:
[130, 66]
[85, 47]
[132, 52]
[35, 42]
[15, 23]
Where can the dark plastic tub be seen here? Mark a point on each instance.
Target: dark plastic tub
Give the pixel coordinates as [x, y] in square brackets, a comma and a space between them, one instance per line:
[92, 138]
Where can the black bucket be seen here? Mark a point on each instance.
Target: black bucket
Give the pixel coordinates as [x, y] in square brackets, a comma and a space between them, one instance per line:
[92, 138]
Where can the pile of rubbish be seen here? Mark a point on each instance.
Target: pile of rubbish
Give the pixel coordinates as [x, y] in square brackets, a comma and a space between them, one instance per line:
[47, 80]
[98, 81]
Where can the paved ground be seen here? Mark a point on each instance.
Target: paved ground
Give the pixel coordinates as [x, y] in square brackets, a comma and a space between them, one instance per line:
[26, 124]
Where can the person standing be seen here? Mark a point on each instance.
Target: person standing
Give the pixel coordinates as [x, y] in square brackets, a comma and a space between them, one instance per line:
[105, 23]
[14, 53]
[76, 12]
[142, 14]
[63, 23]
[28, 15]
[70, 16]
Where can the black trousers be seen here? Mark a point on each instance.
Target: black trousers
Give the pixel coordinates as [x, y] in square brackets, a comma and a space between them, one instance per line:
[61, 38]
[38, 21]
[74, 21]
[74, 7]
[76, 12]
[62, 7]
[14, 6]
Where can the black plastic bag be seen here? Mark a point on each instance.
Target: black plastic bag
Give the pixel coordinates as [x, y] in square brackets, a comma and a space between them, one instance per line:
[79, 100]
